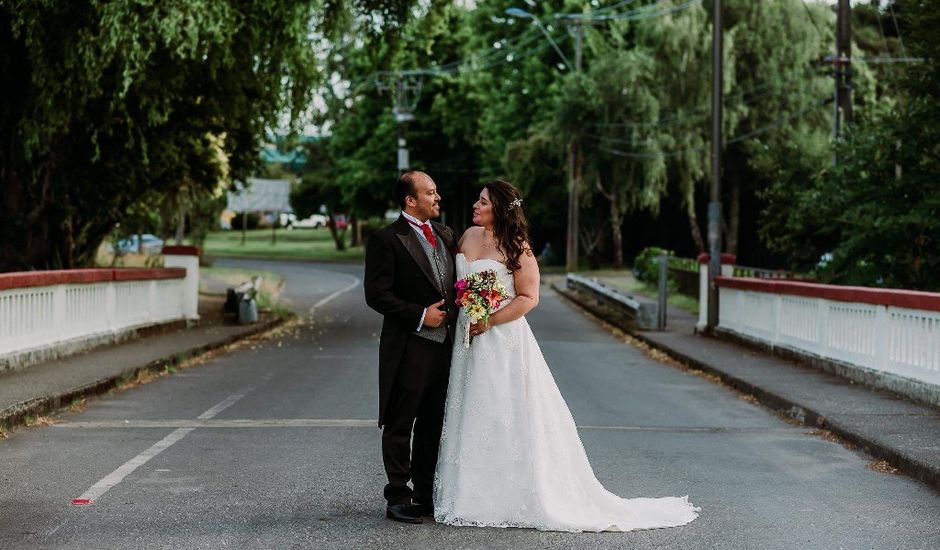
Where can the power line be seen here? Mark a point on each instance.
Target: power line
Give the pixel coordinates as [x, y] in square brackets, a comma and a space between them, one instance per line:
[881, 30]
[812, 20]
[882, 59]
[645, 12]
[667, 11]
[897, 28]
[613, 7]
[763, 129]
[779, 122]
[488, 58]
[702, 111]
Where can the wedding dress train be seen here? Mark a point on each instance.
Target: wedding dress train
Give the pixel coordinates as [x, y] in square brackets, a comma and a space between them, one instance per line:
[510, 453]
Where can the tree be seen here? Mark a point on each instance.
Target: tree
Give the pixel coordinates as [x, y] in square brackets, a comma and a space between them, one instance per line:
[878, 212]
[115, 101]
[518, 88]
[677, 131]
[319, 188]
[617, 89]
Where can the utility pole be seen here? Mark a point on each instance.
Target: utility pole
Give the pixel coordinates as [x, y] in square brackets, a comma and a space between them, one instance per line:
[714, 205]
[842, 63]
[405, 88]
[574, 171]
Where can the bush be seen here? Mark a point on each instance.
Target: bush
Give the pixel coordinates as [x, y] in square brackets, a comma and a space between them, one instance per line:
[370, 226]
[645, 266]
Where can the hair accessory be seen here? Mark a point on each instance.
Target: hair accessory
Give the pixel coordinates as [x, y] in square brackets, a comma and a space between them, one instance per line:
[515, 203]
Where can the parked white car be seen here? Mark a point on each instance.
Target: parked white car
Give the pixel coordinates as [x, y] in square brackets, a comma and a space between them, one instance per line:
[314, 221]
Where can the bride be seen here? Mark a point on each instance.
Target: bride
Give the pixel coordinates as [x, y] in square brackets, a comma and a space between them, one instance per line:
[510, 454]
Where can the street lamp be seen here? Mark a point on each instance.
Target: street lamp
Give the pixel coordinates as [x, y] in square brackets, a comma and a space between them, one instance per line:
[574, 153]
[522, 14]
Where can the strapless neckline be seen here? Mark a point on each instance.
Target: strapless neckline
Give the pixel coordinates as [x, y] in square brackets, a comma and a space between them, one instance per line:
[471, 262]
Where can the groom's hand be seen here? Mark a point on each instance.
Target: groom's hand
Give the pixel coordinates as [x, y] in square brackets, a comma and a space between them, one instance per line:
[435, 316]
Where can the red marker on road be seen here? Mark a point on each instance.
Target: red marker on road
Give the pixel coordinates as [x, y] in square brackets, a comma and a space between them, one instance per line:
[81, 501]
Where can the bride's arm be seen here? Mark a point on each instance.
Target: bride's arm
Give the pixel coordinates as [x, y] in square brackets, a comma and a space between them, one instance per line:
[526, 281]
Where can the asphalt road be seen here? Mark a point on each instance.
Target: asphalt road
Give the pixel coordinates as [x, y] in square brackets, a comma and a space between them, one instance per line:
[275, 446]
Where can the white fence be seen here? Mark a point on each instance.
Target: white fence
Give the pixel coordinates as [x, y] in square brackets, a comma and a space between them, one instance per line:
[888, 331]
[45, 314]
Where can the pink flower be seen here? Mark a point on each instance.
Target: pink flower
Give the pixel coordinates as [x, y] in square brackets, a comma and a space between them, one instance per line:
[462, 284]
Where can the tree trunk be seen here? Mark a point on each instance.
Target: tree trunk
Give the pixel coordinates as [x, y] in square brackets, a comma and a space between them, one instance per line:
[180, 224]
[356, 239]
[338, 236]
[616, 219]
[734, 217]
[696, 231]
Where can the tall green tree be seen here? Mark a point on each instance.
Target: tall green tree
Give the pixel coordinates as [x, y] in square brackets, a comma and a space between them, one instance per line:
[876, 215]
[116, 100]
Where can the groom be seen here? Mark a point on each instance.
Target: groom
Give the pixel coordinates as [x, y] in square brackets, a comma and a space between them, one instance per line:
[409, 279]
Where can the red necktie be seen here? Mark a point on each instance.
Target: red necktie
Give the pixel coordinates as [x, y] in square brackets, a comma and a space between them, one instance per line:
[428, 234]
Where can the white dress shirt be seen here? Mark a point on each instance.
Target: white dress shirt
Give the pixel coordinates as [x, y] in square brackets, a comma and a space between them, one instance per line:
[415, 223]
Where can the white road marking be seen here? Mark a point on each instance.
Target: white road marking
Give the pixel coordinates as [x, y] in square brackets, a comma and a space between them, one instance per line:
[363, 423]
[236, 423]
[107, 482]
[329, 298]
[97, 490]
[226, 403]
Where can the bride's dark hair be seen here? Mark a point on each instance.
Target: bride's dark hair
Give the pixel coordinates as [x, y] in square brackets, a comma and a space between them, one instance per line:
[510, 227]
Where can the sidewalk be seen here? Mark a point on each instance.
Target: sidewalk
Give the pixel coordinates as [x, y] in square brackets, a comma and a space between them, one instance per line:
[905, 434]
[42, 388]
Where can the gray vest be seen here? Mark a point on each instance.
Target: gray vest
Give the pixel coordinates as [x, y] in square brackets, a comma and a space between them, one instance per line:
[443, 275]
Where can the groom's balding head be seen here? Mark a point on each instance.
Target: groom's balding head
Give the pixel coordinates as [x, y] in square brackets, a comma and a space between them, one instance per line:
[406, 186]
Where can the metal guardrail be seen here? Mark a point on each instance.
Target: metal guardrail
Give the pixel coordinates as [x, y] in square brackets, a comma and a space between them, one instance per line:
[684, 264]
[692, 265]
[645, 315]
[761, 273]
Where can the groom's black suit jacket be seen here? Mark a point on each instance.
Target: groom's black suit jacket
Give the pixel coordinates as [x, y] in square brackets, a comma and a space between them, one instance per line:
[399, 284]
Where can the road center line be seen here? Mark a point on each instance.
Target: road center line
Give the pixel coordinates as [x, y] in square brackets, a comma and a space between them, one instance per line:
[226, 403]
[97, 490]
[327, 299]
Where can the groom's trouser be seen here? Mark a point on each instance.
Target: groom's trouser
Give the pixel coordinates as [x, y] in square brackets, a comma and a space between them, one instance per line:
[415, 403]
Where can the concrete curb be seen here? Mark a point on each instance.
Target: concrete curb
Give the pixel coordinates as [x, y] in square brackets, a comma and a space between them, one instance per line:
[350, 261]
[905, 388]
[15, 415]
[805, 415]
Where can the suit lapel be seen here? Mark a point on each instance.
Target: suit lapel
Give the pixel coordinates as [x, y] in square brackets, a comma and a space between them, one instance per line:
[443, 232]
[409, 238]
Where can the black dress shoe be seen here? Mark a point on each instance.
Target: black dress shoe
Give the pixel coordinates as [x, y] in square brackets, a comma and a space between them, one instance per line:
[404, 513]
[423, 509]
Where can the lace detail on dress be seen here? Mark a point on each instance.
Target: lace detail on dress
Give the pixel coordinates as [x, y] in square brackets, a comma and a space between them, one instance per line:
[510, 453]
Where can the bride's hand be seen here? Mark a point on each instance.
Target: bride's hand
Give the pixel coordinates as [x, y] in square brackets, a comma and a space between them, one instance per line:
[479, 328]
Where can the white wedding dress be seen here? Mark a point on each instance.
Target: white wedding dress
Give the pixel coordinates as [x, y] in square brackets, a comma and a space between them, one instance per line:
[510, 454]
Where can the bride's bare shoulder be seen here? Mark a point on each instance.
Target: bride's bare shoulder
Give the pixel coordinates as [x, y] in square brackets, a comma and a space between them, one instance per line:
[469, 238]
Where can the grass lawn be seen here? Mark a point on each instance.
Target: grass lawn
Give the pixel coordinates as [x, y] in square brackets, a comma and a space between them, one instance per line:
[306, 244]
[104, 258]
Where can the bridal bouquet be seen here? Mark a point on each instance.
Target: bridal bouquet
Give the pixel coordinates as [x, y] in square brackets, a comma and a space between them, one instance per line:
[479, 294]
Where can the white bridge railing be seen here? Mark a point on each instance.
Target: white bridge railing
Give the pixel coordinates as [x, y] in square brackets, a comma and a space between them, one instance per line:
[45, 314]
[887, 331]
